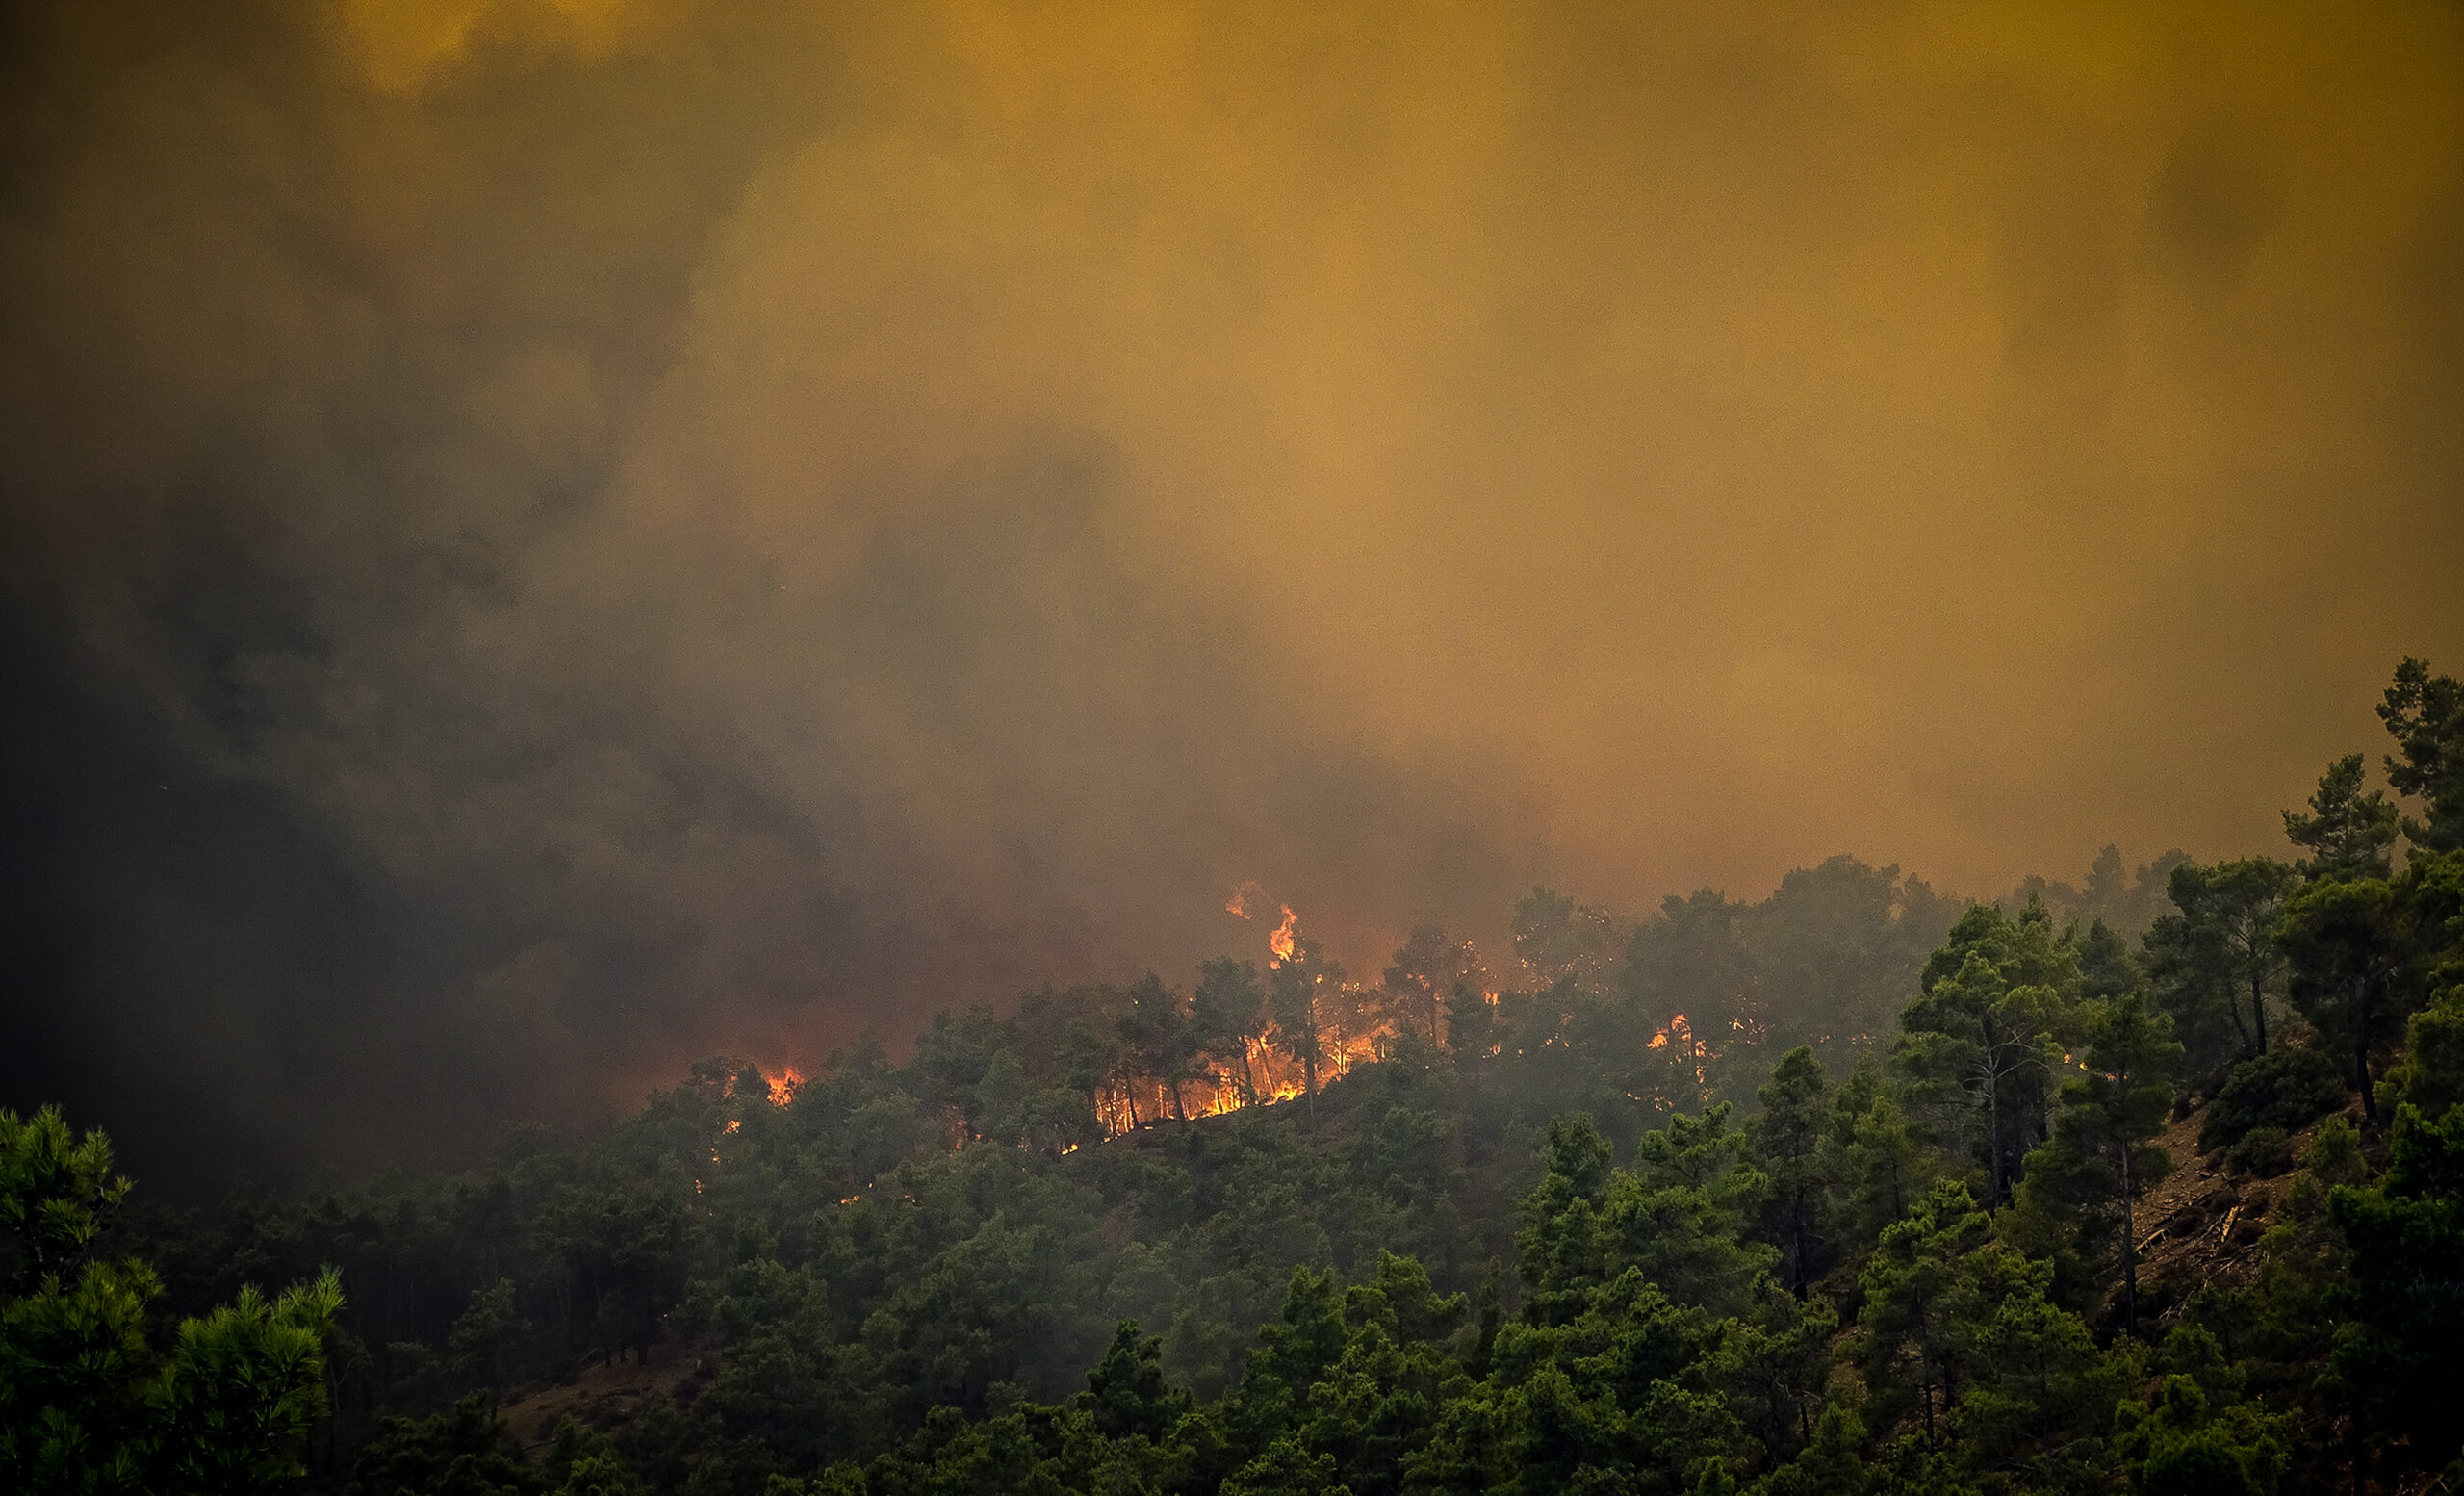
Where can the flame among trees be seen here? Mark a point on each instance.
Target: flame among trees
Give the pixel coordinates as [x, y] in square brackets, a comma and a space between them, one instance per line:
[1978, 1189]
[1696, 987]
[1707, 989]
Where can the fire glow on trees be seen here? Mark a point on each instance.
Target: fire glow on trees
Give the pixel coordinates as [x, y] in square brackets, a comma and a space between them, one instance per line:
[1337, 1025]
[783, 1084]
[1312, 1026]
[1284, 942]
[1352, 1023]
[1685, 1046]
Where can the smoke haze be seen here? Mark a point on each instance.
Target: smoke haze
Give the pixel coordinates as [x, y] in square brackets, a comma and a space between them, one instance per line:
[545, 538]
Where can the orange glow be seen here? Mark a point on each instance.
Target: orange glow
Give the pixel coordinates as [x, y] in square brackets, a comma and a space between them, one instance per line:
[1688, 1045]
[1285, 940]
[734, 1126]
[1250, 890]
[1776, 334]
[783, 1087]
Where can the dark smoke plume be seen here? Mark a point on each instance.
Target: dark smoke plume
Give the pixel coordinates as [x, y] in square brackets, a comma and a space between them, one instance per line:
[546, 537]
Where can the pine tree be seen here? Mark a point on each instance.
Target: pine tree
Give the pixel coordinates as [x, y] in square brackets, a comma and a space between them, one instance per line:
[1785, 1141]
[2348, 833]
[2120, 1102]
[2426, 715]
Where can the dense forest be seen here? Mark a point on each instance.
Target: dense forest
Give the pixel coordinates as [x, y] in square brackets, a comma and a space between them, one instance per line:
[2152, 1184]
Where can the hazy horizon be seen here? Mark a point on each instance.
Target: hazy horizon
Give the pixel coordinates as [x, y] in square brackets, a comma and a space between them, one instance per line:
[548, 538]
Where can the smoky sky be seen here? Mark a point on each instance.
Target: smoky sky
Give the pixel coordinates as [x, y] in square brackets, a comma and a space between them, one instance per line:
[547, 538]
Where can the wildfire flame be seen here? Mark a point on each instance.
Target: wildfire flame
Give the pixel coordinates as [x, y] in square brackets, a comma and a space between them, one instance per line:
[1285, 941]
[1689, 1045]
[783, 1086]
[1679, 1028]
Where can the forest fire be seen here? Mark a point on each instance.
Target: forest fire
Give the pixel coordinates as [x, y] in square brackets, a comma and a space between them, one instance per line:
[541, 589]
[1291, 1036]
[1688, 1048]
[1284, 941]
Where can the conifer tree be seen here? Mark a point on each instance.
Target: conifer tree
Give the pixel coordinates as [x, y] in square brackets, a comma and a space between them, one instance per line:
[87, 1402]
[2121, 1102]
[1785, 1141]
[2426, 715]
[2348, 833]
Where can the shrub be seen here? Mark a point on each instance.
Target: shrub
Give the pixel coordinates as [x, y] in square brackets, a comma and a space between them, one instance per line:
[2286, 1089]
[2334, 1156]
[2265, 1151]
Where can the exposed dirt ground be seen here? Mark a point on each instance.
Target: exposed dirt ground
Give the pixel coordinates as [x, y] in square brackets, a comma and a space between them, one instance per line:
[2200, 1224]
[603, 1397]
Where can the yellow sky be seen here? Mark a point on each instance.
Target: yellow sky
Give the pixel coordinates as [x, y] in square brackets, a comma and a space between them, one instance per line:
[830, 492]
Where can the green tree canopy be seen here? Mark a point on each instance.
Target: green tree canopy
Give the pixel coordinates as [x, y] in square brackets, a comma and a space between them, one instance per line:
[2426, 715]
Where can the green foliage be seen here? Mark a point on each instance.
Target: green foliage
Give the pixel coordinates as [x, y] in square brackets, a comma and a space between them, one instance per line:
[579, 1462]
[465, 1450]
[2125, 901]
[2405, 1294]
[57, 1193]
[2352, 955]
[2425, 714]
[1785, 1142]
[2176, 1447]
[483, 1341]
[1830, 1465]
[1879, 1166]
[2265, 1151]
[2098, 1162]
[1557, 940]
[2106, 967]
[1427, 968]
[1908, 1263]
[2431, 1074]
[2285, 1089]
[1284, 1469]
[242, 1386]
[2334, 1156]
[599, 1475]
[1126, 1392]
[1979, 1042]
[1674, 1217]
[88, 1402]
[2348, 832]
[1827, 961]
[2215, 964]
[1920, 1309]
[80, 1385]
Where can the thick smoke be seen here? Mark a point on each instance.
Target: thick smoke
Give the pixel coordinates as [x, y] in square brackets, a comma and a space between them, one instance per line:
[543, 538]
